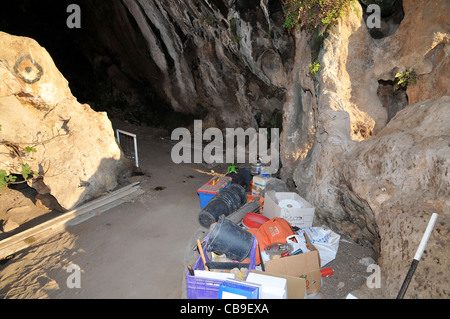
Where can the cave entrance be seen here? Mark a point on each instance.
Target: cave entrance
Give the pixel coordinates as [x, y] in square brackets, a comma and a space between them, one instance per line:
[392, 15]
[392, 100]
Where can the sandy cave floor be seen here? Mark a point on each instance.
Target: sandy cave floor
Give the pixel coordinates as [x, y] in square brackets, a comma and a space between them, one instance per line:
[136, 249]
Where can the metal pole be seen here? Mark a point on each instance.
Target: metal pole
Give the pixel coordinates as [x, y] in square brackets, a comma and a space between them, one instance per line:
[418, 256]
[135, 143]
[136, 150]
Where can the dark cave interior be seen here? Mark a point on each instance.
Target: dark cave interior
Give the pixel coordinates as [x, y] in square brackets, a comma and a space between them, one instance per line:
[106, 60]
[76, 53]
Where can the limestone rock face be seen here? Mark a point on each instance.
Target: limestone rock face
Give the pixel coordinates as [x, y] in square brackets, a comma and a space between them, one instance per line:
[399, 178]
[223, 61]
[75, 151]
[373, 161]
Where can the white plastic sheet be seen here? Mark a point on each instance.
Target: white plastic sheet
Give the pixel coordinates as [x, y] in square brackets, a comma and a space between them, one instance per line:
[325, 240]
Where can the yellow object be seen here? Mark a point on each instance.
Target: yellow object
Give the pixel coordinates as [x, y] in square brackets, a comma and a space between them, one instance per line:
[239, 273]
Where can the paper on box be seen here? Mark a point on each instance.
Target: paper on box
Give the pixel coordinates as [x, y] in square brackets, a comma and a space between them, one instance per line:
[213, 274]
[271, 287]
[296, 286]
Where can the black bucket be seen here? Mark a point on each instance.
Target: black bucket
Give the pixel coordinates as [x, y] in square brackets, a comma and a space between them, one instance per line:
[230, 239]
[240, 191]
[244, 173]
[226, 202]
[232, 198]
[212, 211]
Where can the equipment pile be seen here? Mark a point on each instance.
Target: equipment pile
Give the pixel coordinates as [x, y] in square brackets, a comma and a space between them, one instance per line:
[260, 241]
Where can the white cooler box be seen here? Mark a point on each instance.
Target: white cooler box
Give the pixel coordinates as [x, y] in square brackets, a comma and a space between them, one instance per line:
[290, 206]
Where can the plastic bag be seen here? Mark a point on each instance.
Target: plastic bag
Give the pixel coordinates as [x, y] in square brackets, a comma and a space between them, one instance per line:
[325, 240]
[299, 244]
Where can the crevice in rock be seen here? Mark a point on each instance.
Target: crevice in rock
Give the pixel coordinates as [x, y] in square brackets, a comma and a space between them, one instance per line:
[392, 15]
[24, 207]
[160, 41]
[221, 6]
[392, 100]
[251, 12]
[360, 217]
[183, 37]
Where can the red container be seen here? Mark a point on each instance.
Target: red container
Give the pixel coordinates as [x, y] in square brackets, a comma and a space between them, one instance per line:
[254, 220]
[326, 272]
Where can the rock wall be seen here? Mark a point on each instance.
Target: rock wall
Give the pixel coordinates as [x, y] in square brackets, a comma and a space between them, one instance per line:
[377, 174]
[223, 61]
[75, 152]
[401, 177]
[373, 161]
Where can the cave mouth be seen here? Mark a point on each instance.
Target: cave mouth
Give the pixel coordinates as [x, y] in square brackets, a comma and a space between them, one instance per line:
[391, 13]
[393, 100]
[98, 72]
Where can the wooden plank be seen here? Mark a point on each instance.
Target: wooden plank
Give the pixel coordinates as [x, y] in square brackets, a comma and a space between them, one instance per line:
[30, 236]
[105, 197]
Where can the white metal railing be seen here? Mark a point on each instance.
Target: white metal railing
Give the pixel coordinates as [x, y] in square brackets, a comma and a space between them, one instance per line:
[135, 157]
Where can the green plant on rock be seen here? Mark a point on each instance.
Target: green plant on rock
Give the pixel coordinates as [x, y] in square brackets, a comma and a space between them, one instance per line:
[207, 19]
[5, 178]
[313, 13]
[24, 152]
[405, 78]
[25, 169]
[314, 68]
[236, 38]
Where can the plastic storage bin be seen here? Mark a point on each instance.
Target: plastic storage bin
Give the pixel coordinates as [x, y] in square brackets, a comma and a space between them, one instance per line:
[212, 188]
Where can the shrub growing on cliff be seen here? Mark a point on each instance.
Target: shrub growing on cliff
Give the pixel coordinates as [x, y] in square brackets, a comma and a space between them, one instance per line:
[313, 13]
[405, 78]
[314, 68]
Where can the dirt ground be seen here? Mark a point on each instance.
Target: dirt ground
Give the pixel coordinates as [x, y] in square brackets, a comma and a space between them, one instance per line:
[136, 249]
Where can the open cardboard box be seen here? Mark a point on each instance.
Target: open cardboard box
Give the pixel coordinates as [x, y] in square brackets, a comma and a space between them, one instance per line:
[296, 287]
[305, 265]
[301, 217]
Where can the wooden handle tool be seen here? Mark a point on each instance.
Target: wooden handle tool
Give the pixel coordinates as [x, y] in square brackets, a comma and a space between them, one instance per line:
[200, 250]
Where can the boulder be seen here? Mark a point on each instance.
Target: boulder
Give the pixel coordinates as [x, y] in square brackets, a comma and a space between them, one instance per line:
[75, 152]
[376, 168]
[401, 177]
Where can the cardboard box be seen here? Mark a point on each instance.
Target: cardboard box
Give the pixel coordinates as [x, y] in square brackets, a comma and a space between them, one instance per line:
[271, 287]
[300, 217]
[296, 286]
[306, 265]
